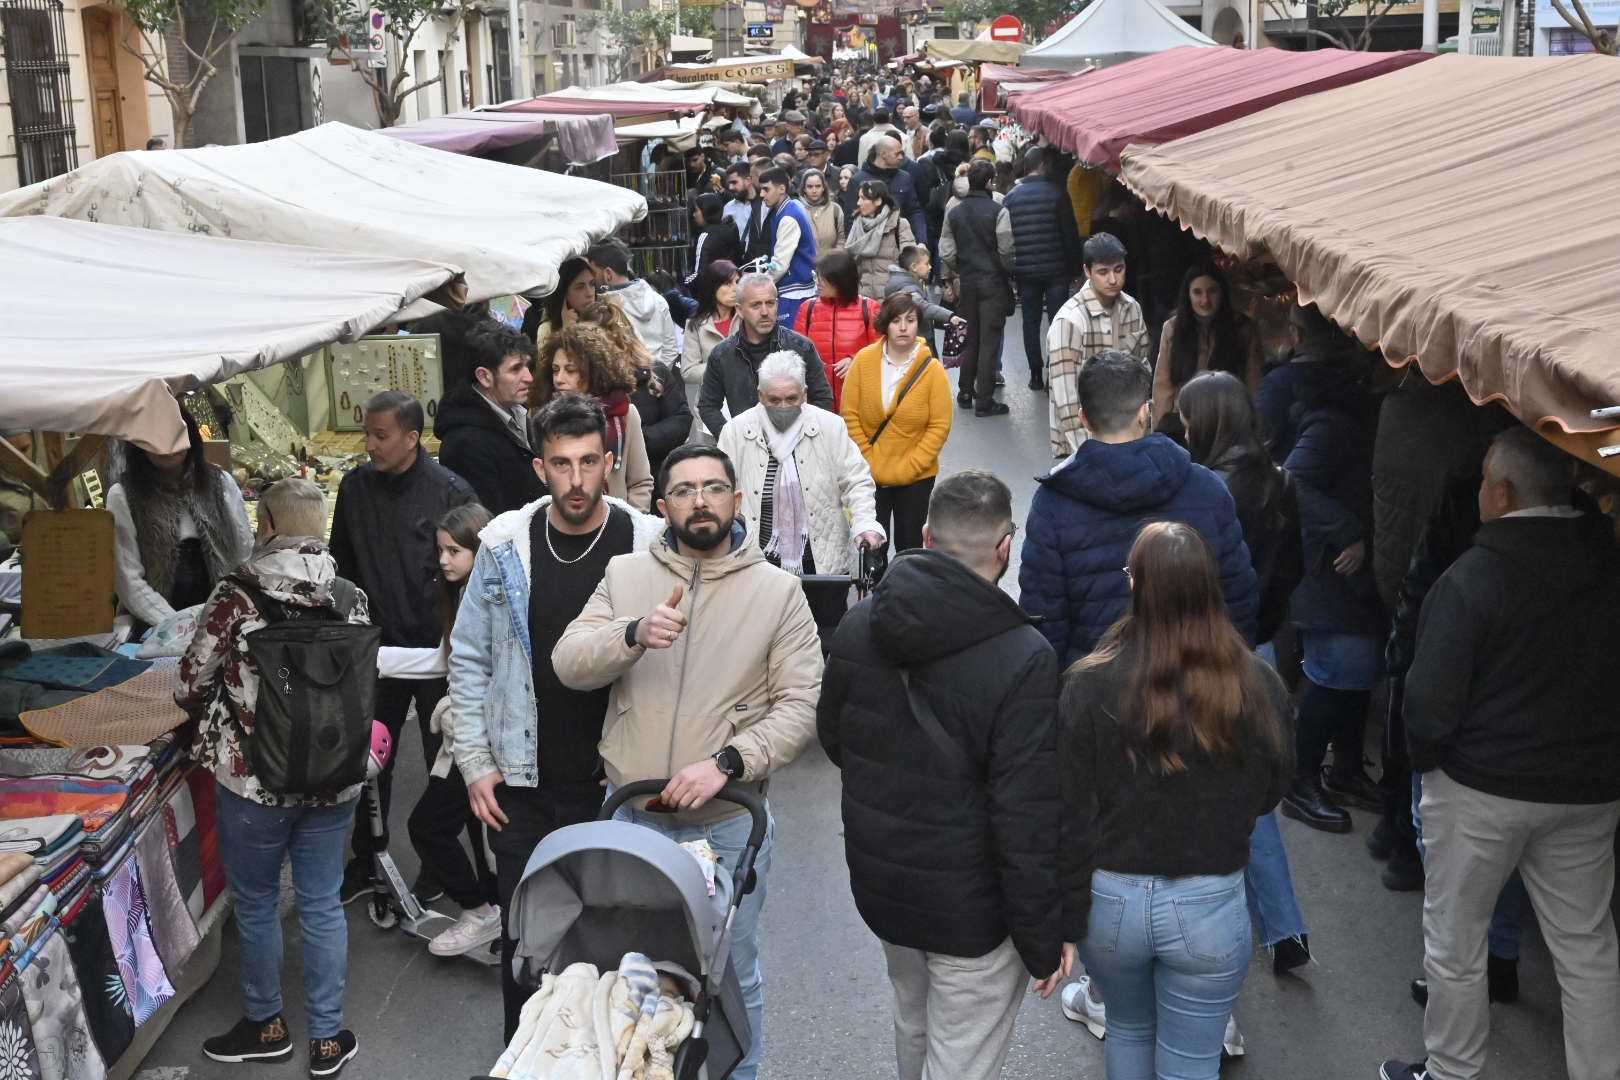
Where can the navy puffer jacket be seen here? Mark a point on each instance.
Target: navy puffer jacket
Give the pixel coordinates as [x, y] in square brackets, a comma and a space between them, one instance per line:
[1086, 515]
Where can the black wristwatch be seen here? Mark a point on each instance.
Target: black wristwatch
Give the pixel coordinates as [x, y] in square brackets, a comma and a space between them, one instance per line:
[730, 762]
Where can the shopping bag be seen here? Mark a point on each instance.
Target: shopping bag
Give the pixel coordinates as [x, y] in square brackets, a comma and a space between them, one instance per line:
[954, 346]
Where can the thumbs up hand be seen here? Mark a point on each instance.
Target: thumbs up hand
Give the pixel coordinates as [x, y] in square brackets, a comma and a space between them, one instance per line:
[661, 628]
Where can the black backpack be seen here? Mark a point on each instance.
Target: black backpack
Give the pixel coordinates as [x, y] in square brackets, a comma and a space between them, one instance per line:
[317, 684]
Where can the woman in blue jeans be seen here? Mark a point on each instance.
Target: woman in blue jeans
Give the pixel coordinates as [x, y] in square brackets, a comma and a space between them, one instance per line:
[1174, 739]
[258, 828]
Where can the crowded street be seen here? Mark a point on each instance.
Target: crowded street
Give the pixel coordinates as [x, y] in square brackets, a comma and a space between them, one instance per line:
[827, 999]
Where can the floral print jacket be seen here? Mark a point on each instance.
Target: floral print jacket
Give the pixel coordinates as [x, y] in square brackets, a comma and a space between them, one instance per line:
[218, 684]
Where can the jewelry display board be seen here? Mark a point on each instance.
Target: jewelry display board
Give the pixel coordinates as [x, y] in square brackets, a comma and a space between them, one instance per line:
[408, 362]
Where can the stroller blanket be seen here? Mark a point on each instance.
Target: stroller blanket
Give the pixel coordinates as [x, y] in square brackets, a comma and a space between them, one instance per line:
[581, 1025]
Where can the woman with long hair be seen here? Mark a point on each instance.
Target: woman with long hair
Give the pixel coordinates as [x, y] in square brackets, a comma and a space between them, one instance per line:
[1205, 332]
[877, 232]
[575, 291]
[715, 291]
[442, 814]
[1223, 435]
[897, 403]
[582, 359]
[1173, 741]
[839, 321]
[179, 526]
[826, 215]
[659, 395]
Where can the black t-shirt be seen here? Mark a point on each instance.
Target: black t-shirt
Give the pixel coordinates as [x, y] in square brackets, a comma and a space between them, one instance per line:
[570, 720]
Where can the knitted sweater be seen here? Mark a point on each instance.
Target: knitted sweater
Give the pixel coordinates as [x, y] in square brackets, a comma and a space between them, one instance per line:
[908, 449]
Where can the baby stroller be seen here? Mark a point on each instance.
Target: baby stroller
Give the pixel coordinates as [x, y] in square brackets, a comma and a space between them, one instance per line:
[593, 892]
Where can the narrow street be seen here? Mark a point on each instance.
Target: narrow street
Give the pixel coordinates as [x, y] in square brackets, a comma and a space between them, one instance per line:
[423, 1018]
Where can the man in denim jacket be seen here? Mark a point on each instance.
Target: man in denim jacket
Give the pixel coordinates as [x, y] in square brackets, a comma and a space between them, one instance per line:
[524, 742]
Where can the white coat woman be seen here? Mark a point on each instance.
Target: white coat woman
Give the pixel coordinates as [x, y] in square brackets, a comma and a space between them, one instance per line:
[807, 491]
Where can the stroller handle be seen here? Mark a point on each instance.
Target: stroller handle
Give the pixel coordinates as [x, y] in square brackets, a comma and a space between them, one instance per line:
[738, 794]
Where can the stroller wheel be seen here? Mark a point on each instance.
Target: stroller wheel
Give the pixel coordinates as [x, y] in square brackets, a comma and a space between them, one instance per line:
[382, 912]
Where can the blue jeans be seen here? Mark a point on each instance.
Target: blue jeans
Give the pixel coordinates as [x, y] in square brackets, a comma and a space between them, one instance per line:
[728, 838]
[1038, 296]
[1169, 956]
[1273, 910]
[1507, 918]
[254, 839]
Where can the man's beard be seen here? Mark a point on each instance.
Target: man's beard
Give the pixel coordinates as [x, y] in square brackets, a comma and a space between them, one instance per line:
[704, 541]
[581, 517]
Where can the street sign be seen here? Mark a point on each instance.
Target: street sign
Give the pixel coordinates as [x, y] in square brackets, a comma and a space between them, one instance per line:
[1487, 20]
[729, 17]
[756, 31]
[1006, 28]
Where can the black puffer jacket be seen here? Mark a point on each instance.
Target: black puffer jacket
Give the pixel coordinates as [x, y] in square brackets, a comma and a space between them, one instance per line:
[938, 860]
[1268, 511]
[476, 446]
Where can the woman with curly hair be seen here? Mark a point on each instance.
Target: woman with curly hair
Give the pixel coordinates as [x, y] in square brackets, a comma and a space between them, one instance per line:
[659, 395]
[583, 359]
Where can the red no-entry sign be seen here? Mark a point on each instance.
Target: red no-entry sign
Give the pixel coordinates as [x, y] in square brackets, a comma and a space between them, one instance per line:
[1006, 28]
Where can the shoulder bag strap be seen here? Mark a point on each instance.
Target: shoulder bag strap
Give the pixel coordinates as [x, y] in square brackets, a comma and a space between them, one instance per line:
[928, 720]
[904, 390]
[270, 610]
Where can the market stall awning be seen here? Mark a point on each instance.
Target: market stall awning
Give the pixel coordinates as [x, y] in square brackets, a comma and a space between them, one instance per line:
[1112, 31]
[1095, 115]
[1450, 213]
[344, 189]
[974, 52]
[997, 81]
[103, 322]
[581, 138]
[712, 92]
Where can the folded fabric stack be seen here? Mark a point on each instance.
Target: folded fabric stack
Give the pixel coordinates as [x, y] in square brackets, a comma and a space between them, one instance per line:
[105, 876]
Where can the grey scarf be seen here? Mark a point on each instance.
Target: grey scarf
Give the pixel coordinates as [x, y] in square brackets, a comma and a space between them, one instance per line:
[156, 513]
[866, 234]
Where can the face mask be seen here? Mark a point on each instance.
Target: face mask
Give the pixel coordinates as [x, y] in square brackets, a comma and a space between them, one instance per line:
[783, 416]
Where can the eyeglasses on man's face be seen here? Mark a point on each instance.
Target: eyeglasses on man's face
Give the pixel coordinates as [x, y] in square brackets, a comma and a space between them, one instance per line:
[686, 494]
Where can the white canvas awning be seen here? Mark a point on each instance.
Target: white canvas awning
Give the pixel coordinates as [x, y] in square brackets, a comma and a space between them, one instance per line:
[713, 92]
[104, 324]
[344, 189]
[1111, 32]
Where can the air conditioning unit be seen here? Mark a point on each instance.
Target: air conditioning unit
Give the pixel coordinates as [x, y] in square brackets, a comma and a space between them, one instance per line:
[563, 34]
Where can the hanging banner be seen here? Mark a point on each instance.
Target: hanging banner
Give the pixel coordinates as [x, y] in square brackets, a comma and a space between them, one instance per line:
[761, 71]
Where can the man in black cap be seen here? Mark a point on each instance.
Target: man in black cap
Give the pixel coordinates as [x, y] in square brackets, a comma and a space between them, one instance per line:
[818, 156]
[781, 141]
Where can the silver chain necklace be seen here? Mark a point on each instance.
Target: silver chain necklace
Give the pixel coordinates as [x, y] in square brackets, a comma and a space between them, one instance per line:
[600, 529]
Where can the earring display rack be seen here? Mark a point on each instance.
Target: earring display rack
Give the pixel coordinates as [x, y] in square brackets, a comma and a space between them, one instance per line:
[355, 372]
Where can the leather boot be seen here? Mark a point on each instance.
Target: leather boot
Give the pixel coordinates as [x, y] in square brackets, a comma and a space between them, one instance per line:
[1305, 801]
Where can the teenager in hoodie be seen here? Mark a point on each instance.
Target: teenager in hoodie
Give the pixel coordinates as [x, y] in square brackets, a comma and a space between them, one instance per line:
[642, 304]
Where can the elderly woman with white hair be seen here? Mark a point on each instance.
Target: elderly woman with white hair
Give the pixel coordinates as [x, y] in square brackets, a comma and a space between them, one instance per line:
[806, 487]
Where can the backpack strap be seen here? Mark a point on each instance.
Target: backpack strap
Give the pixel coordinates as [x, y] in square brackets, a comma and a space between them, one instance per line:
[270, 610]
[928, 720]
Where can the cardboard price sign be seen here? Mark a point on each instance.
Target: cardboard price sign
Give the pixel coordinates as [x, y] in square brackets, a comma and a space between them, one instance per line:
[67, 569]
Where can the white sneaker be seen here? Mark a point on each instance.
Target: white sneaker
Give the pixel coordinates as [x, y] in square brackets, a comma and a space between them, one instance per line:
[1232, 1041]
[1080, 1006]
[469, 932]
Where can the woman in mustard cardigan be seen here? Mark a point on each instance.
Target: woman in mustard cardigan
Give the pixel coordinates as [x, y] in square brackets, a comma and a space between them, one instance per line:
[897, 403]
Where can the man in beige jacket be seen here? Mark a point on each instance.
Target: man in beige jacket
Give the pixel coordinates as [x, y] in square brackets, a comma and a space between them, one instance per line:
[715, 668]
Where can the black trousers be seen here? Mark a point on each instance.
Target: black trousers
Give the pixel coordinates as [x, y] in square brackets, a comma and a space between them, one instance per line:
[436, 823]
[532, 814]
[986, 314]
[1331, 716]
[902, 510]
[394, 698]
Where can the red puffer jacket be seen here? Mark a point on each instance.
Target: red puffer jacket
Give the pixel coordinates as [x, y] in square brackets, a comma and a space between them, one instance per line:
[838, 331]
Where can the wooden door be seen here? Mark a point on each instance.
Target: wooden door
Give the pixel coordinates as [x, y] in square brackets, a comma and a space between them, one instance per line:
[105, 99]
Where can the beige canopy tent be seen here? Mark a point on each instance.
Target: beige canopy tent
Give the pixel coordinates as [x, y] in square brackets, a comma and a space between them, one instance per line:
[712, 92]
[104, 324]
[343, 189]
[1446, 213]
[974, 51]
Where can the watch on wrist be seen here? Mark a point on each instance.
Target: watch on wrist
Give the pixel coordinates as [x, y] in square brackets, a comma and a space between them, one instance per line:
[729, 761]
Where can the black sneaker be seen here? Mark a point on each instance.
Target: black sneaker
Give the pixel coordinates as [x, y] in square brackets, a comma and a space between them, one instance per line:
[1401, 1070]
[1037, 384]
[995, 408]
[1306, 802]
[328, 1056]
[1355, 788]
[252, 1040]
[1404, 871]
[356, 881]
[1290, 953]
[964, 399]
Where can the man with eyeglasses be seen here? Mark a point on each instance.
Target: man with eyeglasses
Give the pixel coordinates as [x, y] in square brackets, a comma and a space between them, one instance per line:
[714, 666]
